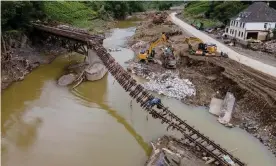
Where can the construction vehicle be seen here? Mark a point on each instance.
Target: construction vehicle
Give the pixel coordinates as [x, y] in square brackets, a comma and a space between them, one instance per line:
[197, 25]
[168, 58]
[148, 55]
[204, 49]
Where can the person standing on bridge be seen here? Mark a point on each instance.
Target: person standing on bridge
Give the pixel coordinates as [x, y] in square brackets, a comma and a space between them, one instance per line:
[153, 102]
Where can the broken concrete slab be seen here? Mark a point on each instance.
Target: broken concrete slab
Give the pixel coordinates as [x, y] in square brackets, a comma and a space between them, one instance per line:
[227, 108]
[215, 106]
[223, 108]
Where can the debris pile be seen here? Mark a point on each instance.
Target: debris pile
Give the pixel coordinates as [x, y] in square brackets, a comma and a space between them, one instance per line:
[174, 32]
[139, 45]
[141, 70]
[270, 46]
[169, 84]
[114, 49]
[159, 18]
[168, 151]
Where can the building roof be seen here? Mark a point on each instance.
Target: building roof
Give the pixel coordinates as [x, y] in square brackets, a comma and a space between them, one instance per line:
[257, 12]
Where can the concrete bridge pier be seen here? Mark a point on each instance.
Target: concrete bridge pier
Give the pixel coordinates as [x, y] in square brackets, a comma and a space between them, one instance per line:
[96, 69]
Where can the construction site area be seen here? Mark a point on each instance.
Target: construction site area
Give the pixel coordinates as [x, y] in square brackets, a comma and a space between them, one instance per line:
[179, 65]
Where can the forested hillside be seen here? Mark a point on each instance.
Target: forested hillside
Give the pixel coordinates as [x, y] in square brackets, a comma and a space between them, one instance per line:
[18, 14]
[214, 13]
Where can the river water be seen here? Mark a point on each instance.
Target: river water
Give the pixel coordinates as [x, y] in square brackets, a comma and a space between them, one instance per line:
[97, 123]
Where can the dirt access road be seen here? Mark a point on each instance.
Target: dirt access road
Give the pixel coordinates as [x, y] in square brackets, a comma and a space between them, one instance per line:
[255, 64]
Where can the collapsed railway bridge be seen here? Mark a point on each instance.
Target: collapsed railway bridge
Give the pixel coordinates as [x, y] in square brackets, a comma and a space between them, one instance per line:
[85, 43]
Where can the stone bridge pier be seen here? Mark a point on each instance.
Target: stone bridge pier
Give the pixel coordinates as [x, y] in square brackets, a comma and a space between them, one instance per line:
[96, 69]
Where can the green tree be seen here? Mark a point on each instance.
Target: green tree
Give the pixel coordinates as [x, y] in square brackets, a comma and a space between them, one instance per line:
[163, 5]
[135, 6]
[17, 14]
[119, 10]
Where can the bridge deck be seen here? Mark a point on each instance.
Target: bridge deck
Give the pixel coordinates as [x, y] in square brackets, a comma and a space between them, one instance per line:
[81, 37]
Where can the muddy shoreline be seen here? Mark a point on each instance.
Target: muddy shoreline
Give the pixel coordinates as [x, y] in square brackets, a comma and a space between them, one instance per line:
[255, 92]
[17, 61]
[24, 52]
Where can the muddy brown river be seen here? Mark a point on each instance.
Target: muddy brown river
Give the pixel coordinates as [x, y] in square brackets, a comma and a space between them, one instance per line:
[97, 124]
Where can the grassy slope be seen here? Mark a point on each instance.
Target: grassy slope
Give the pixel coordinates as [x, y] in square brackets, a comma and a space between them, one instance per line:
[74, 13]
[195, 11]
[222, 11]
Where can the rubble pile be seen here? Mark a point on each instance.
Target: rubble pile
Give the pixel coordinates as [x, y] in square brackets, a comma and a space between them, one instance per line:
[167, 150]
[169, 84]
[159, 18]
[139, 45]
[140, 70]
[270, 46]
[174, 32]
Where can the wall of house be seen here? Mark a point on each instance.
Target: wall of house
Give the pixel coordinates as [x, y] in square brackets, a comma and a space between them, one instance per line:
[259, 26]
[237, 29]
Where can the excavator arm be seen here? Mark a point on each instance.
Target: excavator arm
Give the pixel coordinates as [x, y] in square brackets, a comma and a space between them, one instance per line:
[188, 41]
[203, 48]
[163, 39]
[145, 55]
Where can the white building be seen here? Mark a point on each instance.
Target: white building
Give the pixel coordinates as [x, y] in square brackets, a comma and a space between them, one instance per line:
[254, 22]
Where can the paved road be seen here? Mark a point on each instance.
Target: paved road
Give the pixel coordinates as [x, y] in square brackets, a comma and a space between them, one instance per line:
[255, 64]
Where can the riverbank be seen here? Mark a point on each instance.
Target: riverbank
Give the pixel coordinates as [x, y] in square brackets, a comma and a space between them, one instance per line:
[22, 52]
[214, 77]
[20, 57]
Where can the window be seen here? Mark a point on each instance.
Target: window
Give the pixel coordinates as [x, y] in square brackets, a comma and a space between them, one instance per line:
[243, 25]
[240, 24]
[237, 24]
[239, 34]
[242, 34]
[265, 25]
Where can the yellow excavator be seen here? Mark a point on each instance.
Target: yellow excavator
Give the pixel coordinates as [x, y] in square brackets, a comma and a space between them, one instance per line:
[148, 55]
[204, 49]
